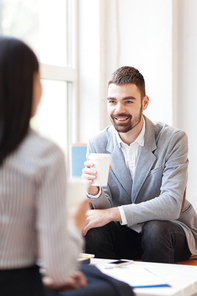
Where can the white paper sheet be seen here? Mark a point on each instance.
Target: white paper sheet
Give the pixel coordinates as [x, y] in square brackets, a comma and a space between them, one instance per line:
[137, 277]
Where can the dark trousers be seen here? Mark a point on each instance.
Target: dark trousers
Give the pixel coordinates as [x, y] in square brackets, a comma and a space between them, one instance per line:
[21, 282]
[160, 241]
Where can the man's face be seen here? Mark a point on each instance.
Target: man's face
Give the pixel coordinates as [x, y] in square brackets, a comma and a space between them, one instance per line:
[125, 106]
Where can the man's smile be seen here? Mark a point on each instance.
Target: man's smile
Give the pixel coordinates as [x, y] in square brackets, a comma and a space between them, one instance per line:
[120, 118]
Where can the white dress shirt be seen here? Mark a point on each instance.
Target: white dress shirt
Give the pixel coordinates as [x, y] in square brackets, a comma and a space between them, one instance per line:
[130, 153]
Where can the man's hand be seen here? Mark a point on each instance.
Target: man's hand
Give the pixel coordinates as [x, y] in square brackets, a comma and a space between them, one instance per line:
[77, 281]
[89, 173]
[99, 218]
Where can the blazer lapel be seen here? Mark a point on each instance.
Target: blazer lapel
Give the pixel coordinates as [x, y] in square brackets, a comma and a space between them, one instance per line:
[146, 159]
[119, 168]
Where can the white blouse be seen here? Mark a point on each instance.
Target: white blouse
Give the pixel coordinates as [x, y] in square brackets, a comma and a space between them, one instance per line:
[33, 219]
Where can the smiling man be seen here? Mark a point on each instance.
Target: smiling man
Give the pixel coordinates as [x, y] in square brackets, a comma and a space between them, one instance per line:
[142, 213]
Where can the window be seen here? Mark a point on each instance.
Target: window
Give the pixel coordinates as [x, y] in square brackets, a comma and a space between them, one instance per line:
[48, 27]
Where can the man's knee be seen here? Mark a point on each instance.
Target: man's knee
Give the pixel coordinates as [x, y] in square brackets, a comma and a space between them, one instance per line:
[99, 233]
[157, 243]
[163, 241]
[92, 238]
[155, 234]
[99, 241]
[155, 229]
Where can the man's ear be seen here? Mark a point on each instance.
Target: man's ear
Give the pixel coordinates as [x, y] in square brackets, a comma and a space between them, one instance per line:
[145, 102]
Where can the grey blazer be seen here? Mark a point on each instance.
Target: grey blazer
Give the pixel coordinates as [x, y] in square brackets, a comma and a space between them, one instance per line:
[157, 190]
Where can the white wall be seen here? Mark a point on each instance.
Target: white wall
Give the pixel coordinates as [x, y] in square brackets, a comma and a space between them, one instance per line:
[89, 68]
[185, 96]
[145, 42]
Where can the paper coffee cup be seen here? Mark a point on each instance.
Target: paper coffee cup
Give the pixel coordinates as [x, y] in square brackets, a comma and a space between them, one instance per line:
[101, 163]
[76, 191]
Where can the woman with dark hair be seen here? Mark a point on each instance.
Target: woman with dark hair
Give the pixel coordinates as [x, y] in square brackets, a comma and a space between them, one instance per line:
[33, 220]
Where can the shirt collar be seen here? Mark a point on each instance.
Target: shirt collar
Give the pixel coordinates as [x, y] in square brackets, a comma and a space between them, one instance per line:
[139, 139]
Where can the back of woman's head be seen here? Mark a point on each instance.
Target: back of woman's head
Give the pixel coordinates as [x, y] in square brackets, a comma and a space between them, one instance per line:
[18, 64]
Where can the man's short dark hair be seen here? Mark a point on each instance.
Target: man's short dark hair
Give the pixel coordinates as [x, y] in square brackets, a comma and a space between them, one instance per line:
[125, 75]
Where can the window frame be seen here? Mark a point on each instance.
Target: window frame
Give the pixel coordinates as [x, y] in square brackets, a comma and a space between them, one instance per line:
[68, 74]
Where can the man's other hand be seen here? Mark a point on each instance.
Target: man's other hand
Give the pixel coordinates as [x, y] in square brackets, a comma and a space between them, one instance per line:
[99, 218]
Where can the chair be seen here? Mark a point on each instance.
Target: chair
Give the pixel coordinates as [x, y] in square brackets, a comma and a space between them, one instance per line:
[78, 156]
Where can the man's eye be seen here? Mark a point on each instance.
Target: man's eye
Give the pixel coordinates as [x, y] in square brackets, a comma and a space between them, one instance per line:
[111, 102]
[129, 102]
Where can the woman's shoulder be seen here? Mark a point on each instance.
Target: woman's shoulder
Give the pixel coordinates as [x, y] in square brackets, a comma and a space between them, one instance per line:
[38, 144]
[38, 151]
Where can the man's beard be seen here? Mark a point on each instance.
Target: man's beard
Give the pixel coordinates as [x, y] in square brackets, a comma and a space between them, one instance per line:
[126, 127]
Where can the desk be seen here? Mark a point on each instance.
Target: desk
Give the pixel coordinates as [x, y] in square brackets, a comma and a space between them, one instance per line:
[181, 278]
